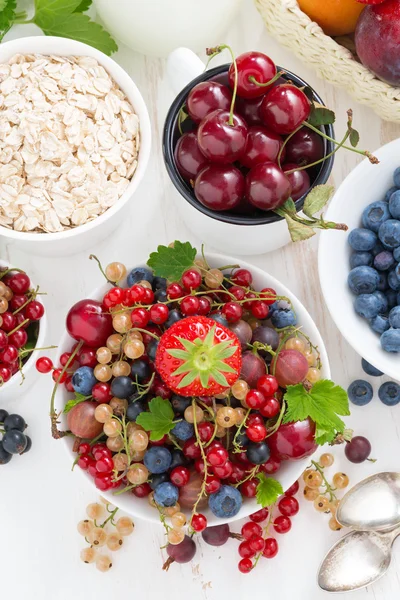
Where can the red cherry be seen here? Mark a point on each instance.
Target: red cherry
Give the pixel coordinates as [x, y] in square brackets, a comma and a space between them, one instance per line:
[254, 399]
[268, 385]
[5, 374]
[304, 147]
[293, 441]
[19, 283]
[188, 157]
[142, 490]
[9, 321]
[219, 187]
[261, 146]
[267, 187]
[34, 310]
[259, 309]
[175, 291]
[18, 301]
[249, 109]
[284, 108]
[105, 464]
[205, 97]
[213, 484]
[180, 476]
[260, 515]
[57, 377]
[9, 355]
[271, 466]
[299, 180]
[249, 65]
[101, 392]
[224, 471]
[288, 506]
[270, 408]
[159, 313]
[220, 141]
[20, 318]
[232, 311]
[86, 321]
[189, 305]
[140, 317]
[271, 548]
[293, 489]
[198, 522]
[282, 524]
[3, 339]
[251, 528]
[19, 338]
[249, 488]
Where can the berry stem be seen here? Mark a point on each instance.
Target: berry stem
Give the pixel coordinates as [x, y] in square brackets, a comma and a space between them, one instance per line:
[31, 296]
[203, 456]
[94, 257]
[366, 153]
[109, 518]
[252, 79]
[238, 431]
[28, 350]
[18, 327]
[251, 474]
[6, 271]
[329, 489]
[213, 52]
[278, 159]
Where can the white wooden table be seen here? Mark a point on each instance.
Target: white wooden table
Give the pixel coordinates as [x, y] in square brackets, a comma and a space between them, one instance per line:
[41, 500]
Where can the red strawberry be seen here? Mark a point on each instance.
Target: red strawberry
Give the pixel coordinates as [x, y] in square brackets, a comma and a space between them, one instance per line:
[198, 357]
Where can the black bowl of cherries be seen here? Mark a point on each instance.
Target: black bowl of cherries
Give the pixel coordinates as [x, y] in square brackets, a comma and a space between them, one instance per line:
[237, 145]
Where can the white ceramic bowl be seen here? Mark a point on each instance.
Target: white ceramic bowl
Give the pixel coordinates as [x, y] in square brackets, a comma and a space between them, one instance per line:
[85, 236]
[290, 470]
[18, 385]
[366, 184]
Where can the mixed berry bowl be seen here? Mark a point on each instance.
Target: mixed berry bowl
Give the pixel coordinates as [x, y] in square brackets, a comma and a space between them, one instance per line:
[166, 378]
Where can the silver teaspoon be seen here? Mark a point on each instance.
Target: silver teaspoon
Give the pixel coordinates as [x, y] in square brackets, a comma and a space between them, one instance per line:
[357, 560]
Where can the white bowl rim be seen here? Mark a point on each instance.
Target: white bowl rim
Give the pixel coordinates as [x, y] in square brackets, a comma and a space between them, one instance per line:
[55, 45]
[297, 467]
[385, 361]
[30, 363]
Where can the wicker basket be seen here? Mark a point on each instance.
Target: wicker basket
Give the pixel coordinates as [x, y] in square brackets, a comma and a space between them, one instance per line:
[294, 29]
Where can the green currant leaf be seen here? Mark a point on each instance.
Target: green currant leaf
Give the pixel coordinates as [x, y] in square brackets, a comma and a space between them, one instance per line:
[354, 137]
[7, 12]
[317, 199]
[320, 115]
[171, 263]
[77, 399]
[298, 231]
[268, 490]
[289, 207]
[159, 420]
[48, 11]
[83, 6]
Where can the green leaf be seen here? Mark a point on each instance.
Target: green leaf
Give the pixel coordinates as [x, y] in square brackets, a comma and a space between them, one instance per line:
[48, 11]
[354, 137]
[289, 206]
[171, 263]
[317, 199]
[7, 8]
[268, 490]
[83, 6]
[78, 398]
[320, 115]
[78, 27]
[160, 420]
[322, 404]
[298, 231]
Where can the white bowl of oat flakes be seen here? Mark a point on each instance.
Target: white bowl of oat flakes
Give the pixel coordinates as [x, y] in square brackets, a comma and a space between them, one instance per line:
[74, 144]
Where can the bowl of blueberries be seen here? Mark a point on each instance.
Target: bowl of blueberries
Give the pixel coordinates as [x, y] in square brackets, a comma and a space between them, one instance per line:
[360, 271]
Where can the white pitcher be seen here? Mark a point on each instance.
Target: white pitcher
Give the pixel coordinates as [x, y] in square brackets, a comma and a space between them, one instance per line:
[155, 27]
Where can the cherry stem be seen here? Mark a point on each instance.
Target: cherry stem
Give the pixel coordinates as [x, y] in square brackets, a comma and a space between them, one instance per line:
[32, 296]
[252, 79]
[4, 273]
[19, 327]
[366, 153]
[278, 159]
[28, 350]
[211, 52]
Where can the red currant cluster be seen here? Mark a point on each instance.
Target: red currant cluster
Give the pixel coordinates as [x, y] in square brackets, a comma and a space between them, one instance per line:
[98, 461]
[254, 118]
[257, 539]
[19, 310]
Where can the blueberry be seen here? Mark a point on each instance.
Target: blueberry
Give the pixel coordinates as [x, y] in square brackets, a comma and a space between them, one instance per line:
[389, 233]
[283, 318]
[363, 280]
[396, 177]
[14, 422]
[273, 307]
[374, 215]
[226, 502]
[134, 409]
[384, 261]
[156, 480]
[370, 369]
[180, 404]
[3, 415]
[377, 249]
[83, 380]
[397, 271]
[383, 302]
[140, 370]
[219, 318]
[367, 305]
[379, 324]
[383, 281]
[14, 441]
[389, 393]
[391, 296]
[5, 456]
[178, 459]
[151, 349]
[28, 444]
[160, 295]
[390, 191]
[360, 392]
[394, 205]
[396, 254]
[394, 281]
[157, 459]
[166, 494]
[183, 431]
[394, 317]
[362, 240]
[122, 387]
[398, 299]
[139, 274]
[258, 452]
[174, 316]
[358, 259]
[242, 439]
[390, 340]
[159, 283]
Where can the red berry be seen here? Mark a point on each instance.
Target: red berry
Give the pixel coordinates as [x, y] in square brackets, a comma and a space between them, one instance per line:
[105, 464]
[68, 384]
[238, 473]
[251, 528]
[87, 357]
[245, 565]
[3, 339]
[142, 490]
[9, 321]
[282, 524]
[199, 465]
[259, 309]
[148, 296]
[103, 481]
[257, 543]
[252, 66]
[232, 311]
[244, 549]
[101, 392]
[260, 515]
[159, 313]
[84, 448]
[222, 138]
[175, 291]
[217, 456]
[204, 305]
[189, 305]
[19, 338]
[254, 399]
[270, 548]
[268, 296]
[5, 374]
[20, 318]
[242, 277]
[238, 292]
[256, 433]
[213, 484]
[19, 283]
[267, 186]
[84, 461]
[206, 430]
[140, 317]
[57, 377]
[113, 297]
[64, 358]
[249, 488]
[293, 489]
[191, 449]
[134, 295]
[224, 471]
[288, 506]
[268, 385]
[99, 450]
[34, 310]
[180, 476]
[270, 408]
[92, 467]
[284, 108]
[188, 157]
[271, 466]
[191, 279]
[161, 442]
[254, 419]
[161, 389]
[198, 522]
[9, 355]
[18, 301]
